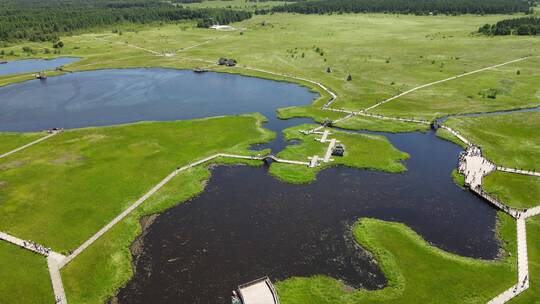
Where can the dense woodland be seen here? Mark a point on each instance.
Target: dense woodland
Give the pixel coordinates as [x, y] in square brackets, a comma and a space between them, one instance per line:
[518, 26]
[45, 20]
[422, 7]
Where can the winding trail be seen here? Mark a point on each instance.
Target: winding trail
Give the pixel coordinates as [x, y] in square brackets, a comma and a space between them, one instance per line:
[443, 80]
[29, 144]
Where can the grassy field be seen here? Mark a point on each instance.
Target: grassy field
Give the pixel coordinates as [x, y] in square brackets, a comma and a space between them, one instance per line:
[498, 89]
[69, 186]
[383, 156]
[10, 141]
[515, 190]
[509, 140]
[416, 271]
[99, 271]
[24, 277]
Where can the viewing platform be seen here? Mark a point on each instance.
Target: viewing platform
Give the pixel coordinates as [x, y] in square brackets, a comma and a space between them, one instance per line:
[260, 291]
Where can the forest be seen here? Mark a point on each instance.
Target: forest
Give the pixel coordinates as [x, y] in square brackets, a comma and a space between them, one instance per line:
[45, 20]
[516, 26]
[420, 7]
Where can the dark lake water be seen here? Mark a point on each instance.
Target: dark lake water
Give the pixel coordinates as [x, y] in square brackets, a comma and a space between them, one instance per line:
[246, 224]
[34, 65]
[108, 97]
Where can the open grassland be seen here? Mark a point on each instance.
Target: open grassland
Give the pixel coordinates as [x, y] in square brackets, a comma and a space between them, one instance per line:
[416, 271]
[99, 271]
[10, 141]
[510, 140]
[63, 190]
[519, 191]
[24, 277]
[506, 87]
[362, 151]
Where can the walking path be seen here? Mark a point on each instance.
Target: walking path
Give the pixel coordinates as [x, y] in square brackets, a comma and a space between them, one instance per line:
[441, 81]
[155, 189]
[56, 280]
[53, 260]
[518, 171]
[53, 133]
[329, 150]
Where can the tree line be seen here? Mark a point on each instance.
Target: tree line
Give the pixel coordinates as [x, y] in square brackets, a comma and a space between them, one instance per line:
[517, 26]
[420, 7]
[45, 20]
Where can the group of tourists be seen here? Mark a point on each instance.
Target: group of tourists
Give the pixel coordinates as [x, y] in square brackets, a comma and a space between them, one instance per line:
[36, 247]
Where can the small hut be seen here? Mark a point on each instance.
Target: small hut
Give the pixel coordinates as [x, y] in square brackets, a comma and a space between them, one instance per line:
[231, 62]
[41, 75]
[222, 61]
[338, 150]
[327, 123]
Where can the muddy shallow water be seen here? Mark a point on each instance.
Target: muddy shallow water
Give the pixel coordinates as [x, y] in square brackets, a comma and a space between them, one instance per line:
[246, 224]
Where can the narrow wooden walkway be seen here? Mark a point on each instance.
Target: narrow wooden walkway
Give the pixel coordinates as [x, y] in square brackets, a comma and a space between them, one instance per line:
[156, 188]
[329, 150]
[53, 261]
[518, 171]
[29, 144]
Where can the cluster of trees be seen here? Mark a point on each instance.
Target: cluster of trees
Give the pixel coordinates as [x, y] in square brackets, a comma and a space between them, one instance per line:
[222, 16]
[421, 7]
[37, 20]
[517, 26]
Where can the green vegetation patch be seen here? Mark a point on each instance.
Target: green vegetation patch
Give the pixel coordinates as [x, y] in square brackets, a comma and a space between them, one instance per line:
[507, 139]
[69, 186]
[24, 277]
[515, 190]
[359, 122]
[416, 271]
[361, 151]
[11, 141]
[96, 274]
[508, 87]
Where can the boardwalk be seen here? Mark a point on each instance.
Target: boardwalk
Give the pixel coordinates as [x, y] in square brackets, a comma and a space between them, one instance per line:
[518, 171]
[29, 144]
[329, 150]
[155, 189]
[523, 267]
[56, 280]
